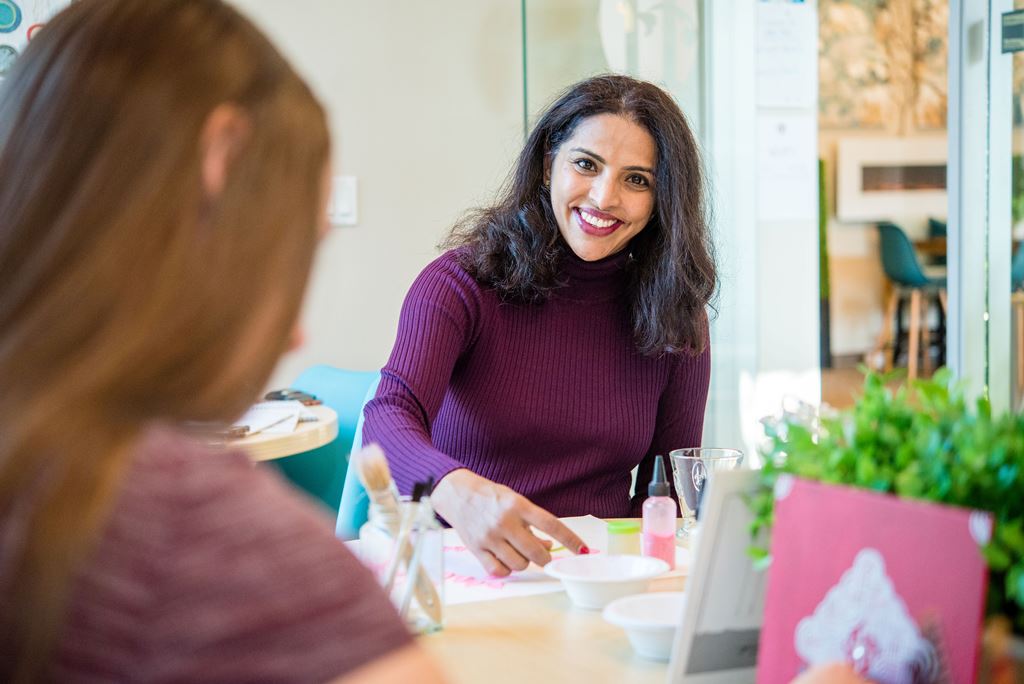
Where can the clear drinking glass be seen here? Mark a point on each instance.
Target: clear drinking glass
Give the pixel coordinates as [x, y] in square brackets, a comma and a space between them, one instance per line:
[690, 468]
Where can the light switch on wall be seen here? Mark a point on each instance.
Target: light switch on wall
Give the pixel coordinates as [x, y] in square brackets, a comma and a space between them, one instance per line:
[342, 208]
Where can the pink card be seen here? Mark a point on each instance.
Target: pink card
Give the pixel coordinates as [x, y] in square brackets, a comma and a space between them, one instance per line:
[867, 578]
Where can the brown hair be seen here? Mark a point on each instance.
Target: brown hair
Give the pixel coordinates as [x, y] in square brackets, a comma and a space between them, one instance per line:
[515, 247]
[128, 290]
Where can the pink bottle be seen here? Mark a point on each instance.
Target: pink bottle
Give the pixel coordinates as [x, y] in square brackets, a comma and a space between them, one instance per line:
[658, 536]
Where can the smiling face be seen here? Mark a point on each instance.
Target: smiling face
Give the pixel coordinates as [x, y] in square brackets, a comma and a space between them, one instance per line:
[602, 185]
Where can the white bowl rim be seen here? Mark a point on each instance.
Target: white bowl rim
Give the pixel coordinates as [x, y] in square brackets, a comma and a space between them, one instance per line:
[657, 567]
[612, 615]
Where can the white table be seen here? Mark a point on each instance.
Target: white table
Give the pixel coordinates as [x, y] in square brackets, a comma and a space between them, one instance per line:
[536, 639]
[306, 436]
[540, 638]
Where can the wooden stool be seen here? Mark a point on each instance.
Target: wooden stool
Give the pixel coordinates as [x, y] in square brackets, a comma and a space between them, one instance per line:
[917, 333]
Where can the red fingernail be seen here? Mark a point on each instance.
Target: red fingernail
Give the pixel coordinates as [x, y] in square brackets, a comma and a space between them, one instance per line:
[584, 550]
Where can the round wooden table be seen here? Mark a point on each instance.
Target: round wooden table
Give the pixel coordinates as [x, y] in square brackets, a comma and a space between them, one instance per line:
[934, 246]
[306, 436]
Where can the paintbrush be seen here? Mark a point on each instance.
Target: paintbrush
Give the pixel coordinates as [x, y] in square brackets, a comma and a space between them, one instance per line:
[418, 500]
[408, 517]
[372, 468]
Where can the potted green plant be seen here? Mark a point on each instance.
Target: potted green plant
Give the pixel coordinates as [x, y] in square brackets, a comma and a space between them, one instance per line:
[922, 441]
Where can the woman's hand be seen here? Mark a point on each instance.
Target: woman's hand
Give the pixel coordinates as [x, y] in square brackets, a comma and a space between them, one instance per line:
[494, 523]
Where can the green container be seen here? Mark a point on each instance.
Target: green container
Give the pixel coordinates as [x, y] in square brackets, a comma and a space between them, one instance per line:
[624, 537]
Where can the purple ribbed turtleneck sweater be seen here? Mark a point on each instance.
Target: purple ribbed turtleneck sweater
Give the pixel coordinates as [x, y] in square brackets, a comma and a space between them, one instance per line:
[552, 400]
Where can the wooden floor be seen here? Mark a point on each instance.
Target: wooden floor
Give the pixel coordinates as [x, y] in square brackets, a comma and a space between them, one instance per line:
[840, 387]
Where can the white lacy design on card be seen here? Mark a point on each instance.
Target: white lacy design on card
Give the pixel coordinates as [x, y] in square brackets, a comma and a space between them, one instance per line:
[980, 525]
[863, 621]
[783, 486]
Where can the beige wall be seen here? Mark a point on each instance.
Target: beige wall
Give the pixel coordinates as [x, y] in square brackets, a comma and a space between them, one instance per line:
[856, 280]
[563, 46]
[425, 102]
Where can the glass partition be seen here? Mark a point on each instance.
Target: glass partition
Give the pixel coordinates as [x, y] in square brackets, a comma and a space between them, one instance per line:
[883, 142]
[657, 40]
[1016, 172]
[569, 40]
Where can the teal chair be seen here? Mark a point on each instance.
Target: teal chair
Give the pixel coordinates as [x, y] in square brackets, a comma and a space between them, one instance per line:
[355, 504]
[1017, 269]
[899, 261]
[321, 472]
[937, 228]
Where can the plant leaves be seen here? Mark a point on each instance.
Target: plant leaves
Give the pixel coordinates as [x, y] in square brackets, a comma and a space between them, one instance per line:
[924, 441]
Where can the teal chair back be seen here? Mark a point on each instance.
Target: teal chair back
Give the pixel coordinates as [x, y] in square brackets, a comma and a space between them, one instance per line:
[321, 472]
[1017, 269]
[899, 261]
[355, 503]
[937, 229]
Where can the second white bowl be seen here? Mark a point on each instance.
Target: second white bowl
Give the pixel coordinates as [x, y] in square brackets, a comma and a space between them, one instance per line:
[594, 581]
[650, 621]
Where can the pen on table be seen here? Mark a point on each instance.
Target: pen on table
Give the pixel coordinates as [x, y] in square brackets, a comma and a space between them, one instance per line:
[267, 427]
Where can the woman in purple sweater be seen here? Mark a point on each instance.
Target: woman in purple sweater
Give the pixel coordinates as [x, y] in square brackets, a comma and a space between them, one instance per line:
[563, 340]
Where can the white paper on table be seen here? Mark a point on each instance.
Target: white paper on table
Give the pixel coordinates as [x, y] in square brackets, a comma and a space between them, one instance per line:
[272, 417]
[466, 581]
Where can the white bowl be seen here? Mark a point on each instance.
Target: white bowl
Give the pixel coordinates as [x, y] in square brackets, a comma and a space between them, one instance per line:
[593, 581]
[650, 621]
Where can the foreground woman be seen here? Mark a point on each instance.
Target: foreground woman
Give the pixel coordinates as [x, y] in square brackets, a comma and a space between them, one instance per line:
[163, 189]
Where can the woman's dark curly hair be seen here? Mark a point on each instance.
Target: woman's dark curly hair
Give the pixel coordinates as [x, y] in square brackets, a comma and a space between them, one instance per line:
[515, 247]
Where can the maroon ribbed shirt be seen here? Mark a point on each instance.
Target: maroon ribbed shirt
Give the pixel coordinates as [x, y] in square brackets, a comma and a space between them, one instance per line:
[553, 400]
[211, 570]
